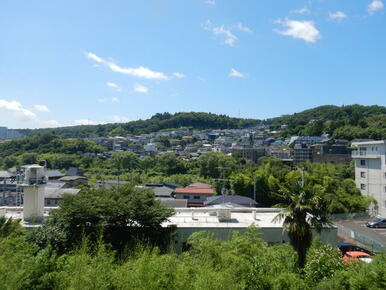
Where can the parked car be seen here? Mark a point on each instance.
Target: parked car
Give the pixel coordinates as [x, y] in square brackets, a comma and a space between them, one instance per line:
[347, 247]
[356, 256]
[377, 223]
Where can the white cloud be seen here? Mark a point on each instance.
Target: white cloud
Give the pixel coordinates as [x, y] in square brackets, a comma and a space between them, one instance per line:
[41, 108]
[338, 15]
[13, 111]
[230, 38]
[179, 75]
[303, 10]
[210, 2]
[115, 100]
[17, 110]
[49, 123]
[87, 122]
[114, 86]
[235, 74]
[244, 28]
[304, 30]
[140, 89]
[374, 6]
[140, 72]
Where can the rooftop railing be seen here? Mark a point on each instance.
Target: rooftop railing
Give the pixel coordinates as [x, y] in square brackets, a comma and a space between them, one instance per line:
[369, 154]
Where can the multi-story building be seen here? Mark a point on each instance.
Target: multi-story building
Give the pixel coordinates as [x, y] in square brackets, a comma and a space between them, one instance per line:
[370, 172]
[250, 153]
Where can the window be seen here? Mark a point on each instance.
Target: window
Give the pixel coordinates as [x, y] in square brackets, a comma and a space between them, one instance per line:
[363, 174]
[384, 189]
[196, 197]
[186, 196]
[385, 175]
[384, 205]
[363, 162]
[363, 186]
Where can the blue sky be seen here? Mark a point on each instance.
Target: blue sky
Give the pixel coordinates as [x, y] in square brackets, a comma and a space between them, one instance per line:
[86, 62]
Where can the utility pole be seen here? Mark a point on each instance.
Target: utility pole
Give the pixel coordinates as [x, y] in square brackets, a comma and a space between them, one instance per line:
[254, 189]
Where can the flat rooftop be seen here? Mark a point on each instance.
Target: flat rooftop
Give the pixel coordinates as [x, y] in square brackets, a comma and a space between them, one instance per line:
[239, 218]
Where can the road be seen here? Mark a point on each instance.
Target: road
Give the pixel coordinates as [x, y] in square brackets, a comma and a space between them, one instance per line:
[360, 227]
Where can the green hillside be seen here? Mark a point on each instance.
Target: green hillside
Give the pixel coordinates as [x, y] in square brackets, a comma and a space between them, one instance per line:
[348, 122]
[156, 123]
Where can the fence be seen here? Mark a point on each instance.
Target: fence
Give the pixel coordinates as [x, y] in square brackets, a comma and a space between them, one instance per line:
[370, 243]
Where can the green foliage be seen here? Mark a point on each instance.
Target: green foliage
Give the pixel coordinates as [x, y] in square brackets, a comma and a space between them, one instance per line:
[156, 123]
[322, 262]
[124, 161]
[10, 227]
[121, 217]
[210, 165]
[348, 122]
[305, 209]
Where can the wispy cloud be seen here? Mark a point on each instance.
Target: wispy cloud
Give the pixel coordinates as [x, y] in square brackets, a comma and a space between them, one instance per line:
[41, 108]
[140, 72]
[87, 122]
[179, 75]
[304, 30]
[303, 10]
[210, 2]
[114, 86]
[374, 6]
[229, 38]
[140, 89]
[244, 28]
[235, 74]
[109, 100]
[338, 15]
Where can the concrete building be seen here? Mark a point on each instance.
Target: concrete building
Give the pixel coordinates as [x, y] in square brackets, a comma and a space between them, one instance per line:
[33, 181]
[370, 172]
[224, 221]
[251, 153]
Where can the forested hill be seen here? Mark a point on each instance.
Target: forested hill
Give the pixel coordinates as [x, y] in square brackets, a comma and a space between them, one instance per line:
[348, 122]
[155, 123]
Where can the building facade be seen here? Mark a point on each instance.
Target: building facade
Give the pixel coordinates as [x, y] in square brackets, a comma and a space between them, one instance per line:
[370, 172]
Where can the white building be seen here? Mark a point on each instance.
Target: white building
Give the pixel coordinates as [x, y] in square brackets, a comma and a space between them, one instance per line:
[370, 172]
[223, 221]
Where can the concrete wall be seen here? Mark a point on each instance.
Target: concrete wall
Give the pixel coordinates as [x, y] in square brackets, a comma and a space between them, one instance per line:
[270, 235]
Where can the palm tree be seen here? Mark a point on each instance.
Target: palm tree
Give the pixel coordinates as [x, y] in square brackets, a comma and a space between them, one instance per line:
[305, 209]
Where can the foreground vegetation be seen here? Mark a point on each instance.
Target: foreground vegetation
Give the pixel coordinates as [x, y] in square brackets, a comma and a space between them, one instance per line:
[244, 262]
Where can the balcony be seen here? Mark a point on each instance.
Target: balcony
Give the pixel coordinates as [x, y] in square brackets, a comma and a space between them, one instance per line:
[365, 154]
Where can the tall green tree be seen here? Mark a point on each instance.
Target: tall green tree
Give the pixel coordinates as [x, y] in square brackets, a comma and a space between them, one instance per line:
[120, 217]
[305, 209]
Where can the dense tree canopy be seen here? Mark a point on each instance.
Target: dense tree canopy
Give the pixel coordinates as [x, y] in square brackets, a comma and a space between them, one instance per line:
[121, 216]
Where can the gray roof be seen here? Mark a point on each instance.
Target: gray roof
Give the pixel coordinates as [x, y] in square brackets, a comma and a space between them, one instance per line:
[5, 174]
[235, 199]
[72, 178]
[52, 192]
[162, 191]
[54, 173]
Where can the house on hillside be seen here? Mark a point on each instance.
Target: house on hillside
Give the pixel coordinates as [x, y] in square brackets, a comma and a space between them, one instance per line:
[196, 193]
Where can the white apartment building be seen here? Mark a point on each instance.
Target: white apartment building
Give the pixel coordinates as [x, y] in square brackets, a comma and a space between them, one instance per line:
[370, 172]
